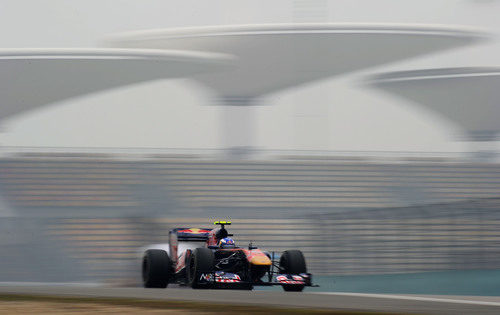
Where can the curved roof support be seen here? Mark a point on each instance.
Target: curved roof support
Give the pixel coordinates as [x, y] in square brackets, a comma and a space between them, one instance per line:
[272, 58]
[467, 96]
[30, 78]
[279, 56]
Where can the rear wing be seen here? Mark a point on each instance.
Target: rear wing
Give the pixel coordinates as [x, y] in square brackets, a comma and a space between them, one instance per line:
[191, 234]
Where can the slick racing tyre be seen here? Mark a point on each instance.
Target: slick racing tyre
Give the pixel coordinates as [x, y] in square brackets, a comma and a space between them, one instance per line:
[293, 262]
[156, 268]
[202, 261]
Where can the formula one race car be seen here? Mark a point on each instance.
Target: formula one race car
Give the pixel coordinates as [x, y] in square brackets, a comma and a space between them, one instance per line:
[207, 258]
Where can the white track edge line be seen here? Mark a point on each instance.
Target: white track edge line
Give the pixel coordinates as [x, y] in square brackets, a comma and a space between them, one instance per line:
[414, 298]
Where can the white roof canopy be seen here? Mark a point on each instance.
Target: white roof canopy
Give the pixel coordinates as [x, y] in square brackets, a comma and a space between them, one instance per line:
[275, 57]
[467, 96]
[30, 78]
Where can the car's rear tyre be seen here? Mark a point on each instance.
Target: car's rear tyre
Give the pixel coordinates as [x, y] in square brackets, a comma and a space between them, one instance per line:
[202, 261]
[156, 268]
[293, 262]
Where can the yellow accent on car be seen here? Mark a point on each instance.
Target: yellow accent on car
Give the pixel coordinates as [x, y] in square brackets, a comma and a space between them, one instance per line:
[222, 222]
[260, 260]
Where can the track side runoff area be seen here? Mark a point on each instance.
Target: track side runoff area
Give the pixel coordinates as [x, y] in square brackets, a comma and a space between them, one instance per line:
[245, 302]
[52, 304]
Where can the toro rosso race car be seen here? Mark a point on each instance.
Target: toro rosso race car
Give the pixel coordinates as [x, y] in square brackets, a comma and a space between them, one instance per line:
[209, 259]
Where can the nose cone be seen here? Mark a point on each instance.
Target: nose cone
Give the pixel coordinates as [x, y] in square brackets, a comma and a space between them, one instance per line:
[260, 260]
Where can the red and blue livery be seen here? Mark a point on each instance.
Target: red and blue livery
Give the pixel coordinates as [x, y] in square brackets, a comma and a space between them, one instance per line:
[209, 259]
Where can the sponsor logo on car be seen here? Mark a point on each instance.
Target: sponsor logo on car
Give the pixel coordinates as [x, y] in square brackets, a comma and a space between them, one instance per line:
[194, 231]
[220, 276]
[290, 279]
[206, 277]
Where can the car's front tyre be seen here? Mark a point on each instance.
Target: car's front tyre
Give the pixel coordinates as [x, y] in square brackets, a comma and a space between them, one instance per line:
[201, 262]
[293, 262]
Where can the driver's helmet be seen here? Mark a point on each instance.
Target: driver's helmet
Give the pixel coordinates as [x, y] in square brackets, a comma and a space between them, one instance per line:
[227, 243]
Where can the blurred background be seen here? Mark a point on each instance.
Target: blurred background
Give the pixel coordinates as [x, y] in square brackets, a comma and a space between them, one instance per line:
[386, 175]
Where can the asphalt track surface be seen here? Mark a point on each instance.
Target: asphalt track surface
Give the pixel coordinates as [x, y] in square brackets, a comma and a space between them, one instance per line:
[387, 303]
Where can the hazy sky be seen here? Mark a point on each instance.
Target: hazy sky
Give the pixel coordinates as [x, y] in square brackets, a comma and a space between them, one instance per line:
[340, 114]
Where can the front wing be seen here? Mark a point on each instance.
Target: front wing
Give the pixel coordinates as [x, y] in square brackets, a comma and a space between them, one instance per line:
[223, 279]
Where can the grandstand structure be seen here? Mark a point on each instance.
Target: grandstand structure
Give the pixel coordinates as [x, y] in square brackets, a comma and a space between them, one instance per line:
[94, 181]
[374, 216]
